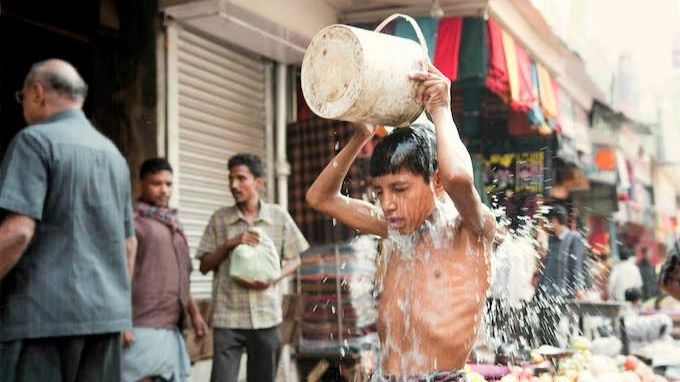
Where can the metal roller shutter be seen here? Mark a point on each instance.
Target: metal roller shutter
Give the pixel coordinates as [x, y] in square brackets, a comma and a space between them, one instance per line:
[221, 102]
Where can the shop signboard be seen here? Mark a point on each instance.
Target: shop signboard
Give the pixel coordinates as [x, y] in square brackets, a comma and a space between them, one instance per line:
[600, 199]
[514, 172]
[602, 167]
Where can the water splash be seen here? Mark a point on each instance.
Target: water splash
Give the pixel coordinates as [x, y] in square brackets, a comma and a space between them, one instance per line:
[511, 317]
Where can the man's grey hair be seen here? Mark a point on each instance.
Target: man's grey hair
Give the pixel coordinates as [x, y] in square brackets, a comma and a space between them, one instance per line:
[59, 76]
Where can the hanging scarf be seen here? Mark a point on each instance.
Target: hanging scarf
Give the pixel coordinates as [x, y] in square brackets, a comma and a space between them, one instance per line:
[167, 216]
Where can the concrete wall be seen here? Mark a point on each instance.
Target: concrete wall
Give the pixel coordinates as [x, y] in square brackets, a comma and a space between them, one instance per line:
[305, 17]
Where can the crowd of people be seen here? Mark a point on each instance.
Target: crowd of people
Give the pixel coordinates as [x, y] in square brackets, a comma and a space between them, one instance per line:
[95, 284]
[542, 268]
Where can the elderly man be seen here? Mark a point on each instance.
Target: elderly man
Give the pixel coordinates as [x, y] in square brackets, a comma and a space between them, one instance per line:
[65, 194]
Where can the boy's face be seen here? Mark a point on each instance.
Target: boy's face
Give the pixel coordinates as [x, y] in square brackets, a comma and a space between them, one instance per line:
[406, 200]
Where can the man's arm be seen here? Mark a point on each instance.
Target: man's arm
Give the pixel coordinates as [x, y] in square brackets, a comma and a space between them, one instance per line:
[16, 233]
[210, 261]
[672, 289]
[289, 267]
[325, 193]
[197, 321]
[127, 337]
[131, 251]
[669, 276]
[453, 159]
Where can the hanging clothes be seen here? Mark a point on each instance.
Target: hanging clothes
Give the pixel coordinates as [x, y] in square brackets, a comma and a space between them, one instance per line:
[447, 46]
[519, 124]
[497, 79]
[536, 114]
[428, 26]
[472, 53]
[472, 104]
[546, 92]
[558, 109]
[510, 53]
[519, 74]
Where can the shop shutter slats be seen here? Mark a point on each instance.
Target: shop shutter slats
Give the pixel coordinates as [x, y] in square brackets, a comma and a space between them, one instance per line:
[221, 96]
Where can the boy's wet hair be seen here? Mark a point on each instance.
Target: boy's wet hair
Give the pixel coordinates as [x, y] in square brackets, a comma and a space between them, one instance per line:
[411, 148]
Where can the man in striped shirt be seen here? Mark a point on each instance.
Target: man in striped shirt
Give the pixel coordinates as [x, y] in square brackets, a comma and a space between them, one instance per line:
[247, 313]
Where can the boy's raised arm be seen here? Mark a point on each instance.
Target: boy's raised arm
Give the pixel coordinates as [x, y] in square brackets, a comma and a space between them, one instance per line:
[325, 194]
[454, 162]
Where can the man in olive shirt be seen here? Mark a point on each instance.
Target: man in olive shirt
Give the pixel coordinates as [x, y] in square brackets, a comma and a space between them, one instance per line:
[64, 277]
[161, 302]
[247, 313]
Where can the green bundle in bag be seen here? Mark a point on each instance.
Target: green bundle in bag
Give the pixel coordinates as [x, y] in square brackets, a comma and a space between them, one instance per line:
[258, 262]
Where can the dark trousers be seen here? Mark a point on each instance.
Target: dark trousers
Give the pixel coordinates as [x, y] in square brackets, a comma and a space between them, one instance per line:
[550, 311]
[90, 358]
[263, 347]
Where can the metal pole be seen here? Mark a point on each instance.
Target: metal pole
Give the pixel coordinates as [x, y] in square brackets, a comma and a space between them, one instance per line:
[282, 165]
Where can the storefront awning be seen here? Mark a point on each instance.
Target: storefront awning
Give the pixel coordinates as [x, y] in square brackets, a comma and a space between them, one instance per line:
[225, 21]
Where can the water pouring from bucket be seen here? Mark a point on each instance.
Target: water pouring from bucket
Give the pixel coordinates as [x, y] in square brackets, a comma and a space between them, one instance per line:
[355, 75]
[436, 264]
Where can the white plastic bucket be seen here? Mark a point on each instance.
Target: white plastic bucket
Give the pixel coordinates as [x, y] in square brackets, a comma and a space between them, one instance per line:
[353, 74]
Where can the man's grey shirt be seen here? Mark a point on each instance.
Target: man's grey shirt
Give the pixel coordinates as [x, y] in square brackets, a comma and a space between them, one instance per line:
[565, 269]
[73, 278]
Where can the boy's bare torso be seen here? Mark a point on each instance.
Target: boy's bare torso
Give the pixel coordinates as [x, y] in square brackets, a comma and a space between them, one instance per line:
[431, 303]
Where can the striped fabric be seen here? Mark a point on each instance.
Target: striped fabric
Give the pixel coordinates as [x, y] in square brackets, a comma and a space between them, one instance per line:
[237, 307]
[311, 145]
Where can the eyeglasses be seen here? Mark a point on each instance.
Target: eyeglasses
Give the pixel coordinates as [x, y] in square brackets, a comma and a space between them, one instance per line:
[19, 96]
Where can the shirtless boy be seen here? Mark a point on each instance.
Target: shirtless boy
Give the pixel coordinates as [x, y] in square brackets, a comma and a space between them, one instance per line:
[437, 264]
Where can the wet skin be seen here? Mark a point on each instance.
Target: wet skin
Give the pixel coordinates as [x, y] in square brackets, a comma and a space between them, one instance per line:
[443, 287]
[434, 279]
[433, 288]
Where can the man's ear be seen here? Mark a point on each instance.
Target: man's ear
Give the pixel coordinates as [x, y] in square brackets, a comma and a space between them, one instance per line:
[38, 93]
[260, 183]
[438, 185]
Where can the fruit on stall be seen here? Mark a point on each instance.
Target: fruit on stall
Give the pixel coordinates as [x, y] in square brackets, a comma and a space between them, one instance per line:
[630, 364]
[536, 357]
[580, 343]
[518, 374]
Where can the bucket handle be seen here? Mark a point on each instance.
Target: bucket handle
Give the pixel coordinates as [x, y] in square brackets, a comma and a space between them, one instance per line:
[416, 28]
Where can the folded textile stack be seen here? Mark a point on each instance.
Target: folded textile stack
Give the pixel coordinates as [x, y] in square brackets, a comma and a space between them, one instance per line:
[338, 295]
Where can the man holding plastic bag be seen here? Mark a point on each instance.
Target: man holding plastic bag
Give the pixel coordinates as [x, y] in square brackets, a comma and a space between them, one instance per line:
[251, 247]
